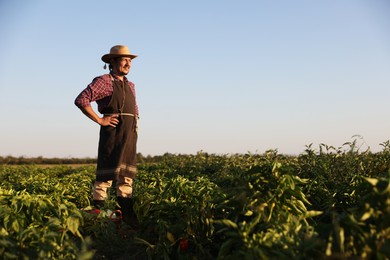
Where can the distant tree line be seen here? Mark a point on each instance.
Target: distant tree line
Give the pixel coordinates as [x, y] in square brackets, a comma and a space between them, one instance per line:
[141, 159]
[12, 160]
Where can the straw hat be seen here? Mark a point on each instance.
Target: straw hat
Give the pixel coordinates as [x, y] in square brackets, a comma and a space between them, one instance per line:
[118, 51]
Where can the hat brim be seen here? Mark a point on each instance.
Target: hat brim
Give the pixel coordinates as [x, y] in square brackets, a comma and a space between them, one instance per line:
[106, 58]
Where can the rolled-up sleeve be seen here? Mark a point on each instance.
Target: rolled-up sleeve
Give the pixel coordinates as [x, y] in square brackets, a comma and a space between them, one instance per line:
[84, 98]
[96, 90]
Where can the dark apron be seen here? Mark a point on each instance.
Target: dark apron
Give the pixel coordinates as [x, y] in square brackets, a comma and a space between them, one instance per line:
[117, 145]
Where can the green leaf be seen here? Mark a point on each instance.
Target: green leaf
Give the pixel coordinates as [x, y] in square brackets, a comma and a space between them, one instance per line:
[226, 222]
[73, 225]
[312, 213]
[372, 181]
[15, 225]
[248, 213]
[171, 237]
[365, 216]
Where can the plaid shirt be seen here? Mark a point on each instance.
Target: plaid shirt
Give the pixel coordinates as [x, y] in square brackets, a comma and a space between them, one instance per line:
[100, 90]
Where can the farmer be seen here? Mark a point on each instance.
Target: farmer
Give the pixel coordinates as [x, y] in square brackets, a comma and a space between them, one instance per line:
[115, 98]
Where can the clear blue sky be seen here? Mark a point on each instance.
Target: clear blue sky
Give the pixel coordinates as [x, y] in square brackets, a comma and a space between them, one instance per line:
[218, 76]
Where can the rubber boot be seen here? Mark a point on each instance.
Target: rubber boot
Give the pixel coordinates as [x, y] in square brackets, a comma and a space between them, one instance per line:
[128, 215]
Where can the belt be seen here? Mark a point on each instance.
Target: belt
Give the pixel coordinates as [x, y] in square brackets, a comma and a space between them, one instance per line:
[135, 124]
[120, 114]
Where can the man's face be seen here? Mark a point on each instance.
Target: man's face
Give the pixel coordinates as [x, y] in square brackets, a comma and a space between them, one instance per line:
[121, 66]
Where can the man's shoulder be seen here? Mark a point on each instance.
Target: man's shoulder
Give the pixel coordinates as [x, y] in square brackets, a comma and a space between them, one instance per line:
[103, 78]
[131, 84]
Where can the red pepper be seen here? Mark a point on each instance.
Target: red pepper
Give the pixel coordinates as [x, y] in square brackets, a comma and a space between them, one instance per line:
[95, 211]
[183, 245]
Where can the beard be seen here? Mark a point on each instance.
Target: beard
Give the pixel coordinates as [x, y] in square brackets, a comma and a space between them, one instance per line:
[123, 72]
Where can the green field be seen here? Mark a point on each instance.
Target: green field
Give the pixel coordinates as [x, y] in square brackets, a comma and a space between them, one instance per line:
[327, 203]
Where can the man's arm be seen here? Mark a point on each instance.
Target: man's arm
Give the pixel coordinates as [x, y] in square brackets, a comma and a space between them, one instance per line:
[111, 120]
